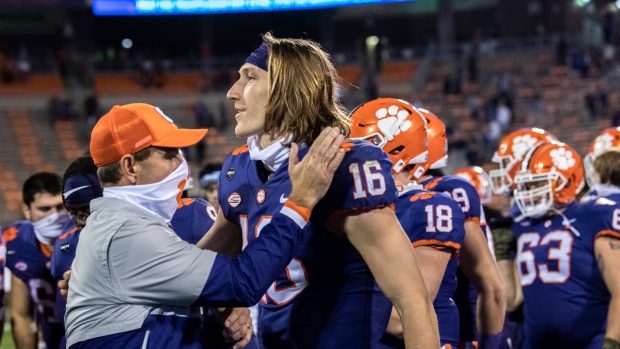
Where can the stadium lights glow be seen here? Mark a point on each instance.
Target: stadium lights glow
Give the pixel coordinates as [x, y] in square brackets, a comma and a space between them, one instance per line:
[164, 7]
[582, 3]
[372, 41]
[127, 43]
[618, 4]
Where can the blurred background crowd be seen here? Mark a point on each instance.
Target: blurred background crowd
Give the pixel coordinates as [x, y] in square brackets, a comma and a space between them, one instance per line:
[485, 67]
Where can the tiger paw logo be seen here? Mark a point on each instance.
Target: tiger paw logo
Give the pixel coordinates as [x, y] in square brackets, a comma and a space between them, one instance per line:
[389, 116]
[432, 184]
[562, 158]
[521, 144]
[422, 196]
[602, 143]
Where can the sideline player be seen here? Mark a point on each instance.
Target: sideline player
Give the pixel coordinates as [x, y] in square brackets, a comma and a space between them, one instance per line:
[565, 297]
[607, 140]
[481, 308]
[327, 296]
[508, 157]
[30, 244]
[433, 221]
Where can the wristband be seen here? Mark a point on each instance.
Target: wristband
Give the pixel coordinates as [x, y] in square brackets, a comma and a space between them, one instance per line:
[489, 341]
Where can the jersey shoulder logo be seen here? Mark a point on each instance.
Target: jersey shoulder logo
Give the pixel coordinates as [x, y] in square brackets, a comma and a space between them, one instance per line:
[234, 200]
[230, 174]
[64, 248]
[10, 234]
[260, 196]
[422, 196]
[432, 183]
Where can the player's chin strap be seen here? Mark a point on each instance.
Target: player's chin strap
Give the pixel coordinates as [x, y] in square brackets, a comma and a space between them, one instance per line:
[566, 222]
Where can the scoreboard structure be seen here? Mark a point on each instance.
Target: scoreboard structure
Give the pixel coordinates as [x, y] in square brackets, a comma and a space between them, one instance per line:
[183, 7]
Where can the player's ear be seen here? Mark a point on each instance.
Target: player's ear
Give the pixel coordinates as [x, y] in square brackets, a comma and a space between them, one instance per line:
[26, 211]
[127, 168]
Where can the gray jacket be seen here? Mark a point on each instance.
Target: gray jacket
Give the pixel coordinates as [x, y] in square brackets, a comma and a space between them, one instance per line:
[129, 264]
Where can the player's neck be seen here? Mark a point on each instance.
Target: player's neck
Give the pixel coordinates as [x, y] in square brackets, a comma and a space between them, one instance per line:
[266, 140]
[401, 179]
[423, 178]
[46, 249]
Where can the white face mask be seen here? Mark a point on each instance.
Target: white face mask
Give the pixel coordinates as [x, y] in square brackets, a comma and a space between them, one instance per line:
[49, 228]
[159, 198]
[273, 156]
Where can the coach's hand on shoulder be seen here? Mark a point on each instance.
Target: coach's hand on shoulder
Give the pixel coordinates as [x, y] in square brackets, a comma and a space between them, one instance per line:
[312, 176]
[63, 285]
[237, 324]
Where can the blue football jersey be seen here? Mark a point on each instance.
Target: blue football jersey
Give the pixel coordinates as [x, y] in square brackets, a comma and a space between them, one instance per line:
[326, 296]
[30, 262]
[466, 295]
[590, 195]
[62, 257]
[2, 265]
[565, 297]
[434, 219]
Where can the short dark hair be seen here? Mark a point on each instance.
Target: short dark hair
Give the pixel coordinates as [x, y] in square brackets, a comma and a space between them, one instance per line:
[42, 182]
[607, 166]
[111, 173]
[84, 165]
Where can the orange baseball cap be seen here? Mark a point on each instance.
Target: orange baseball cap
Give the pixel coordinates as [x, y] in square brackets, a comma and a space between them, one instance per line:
[127, 129]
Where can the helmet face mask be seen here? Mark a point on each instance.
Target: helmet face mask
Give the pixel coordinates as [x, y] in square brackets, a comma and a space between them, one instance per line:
[509, 154]
[501, 180]
[588, 164]
[606, 140]
[551, 175]
[535, 192]
[437, 146]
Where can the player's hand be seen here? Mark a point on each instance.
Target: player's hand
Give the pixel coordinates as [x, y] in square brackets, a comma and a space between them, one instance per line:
[312, 176]
[237, 325]
[63, 285]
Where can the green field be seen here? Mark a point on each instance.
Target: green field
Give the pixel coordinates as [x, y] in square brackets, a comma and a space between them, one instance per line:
[7, 340]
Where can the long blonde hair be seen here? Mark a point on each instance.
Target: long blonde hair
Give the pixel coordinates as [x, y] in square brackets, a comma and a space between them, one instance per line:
[302, 90]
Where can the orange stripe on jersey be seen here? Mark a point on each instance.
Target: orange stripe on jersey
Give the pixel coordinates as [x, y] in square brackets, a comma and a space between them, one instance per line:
[610, 233]
[10, 234]
[44, 249]
[64, 235]
[332, 226]
[455, 246]
[241, 149]
[473, 219]
[303, 211]
[347, 146]
[186, 201]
